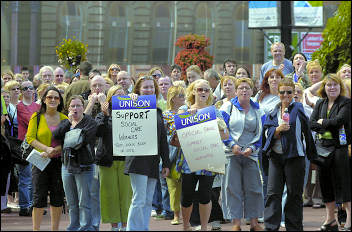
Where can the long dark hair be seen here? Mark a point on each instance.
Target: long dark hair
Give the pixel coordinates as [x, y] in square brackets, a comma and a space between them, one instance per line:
[60, 107]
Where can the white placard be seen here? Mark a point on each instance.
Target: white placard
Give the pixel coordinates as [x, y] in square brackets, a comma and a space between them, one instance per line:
[200, 140]
[134, 126]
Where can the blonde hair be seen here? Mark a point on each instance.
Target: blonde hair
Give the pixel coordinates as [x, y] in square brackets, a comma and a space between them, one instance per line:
[342, 67]
[194, 68]
[277, 43]
[7, 72]
[154, 69]
[18, 75]
[331, 77]
[112, 91]
[171, 93]
[108, 81]
[313, 64]
[347, 83]
[10, 84]
[112, 66]
[226, 78]
[246, 80]
[42, 88]
[179, 83]
[61, 86]
[190, 98]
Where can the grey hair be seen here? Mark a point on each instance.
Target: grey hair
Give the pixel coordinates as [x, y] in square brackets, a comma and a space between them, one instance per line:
[212, 73]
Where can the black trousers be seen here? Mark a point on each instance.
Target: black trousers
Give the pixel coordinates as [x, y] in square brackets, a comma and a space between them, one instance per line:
[335, 180]
[290, 172]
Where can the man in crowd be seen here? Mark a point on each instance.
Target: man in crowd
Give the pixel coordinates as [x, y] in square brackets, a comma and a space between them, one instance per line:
[278, 62]
[124, 79]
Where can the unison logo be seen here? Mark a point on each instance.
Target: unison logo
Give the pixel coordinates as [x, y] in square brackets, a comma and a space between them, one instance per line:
[191, 119]
[128, 103]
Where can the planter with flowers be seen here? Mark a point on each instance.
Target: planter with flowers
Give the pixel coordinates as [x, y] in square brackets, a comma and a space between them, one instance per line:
[193, 53]
[71, 53]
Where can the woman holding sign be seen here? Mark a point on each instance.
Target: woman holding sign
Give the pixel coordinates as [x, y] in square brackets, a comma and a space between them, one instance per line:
[144, 170]
[241, 186]
[115, 187]
[198, 95]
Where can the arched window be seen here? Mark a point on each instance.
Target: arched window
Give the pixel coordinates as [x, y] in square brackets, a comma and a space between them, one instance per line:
[241, 33]
[69, 21]
[203, 20]
[117, 33]
[161, 34]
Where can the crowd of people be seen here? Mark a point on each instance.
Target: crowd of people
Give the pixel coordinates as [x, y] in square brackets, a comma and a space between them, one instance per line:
[286, 136]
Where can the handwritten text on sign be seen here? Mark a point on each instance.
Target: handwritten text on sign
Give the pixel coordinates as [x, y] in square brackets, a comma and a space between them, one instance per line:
[200, 140]
[134, 126]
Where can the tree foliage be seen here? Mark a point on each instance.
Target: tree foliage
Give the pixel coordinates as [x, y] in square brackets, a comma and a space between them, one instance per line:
[336, 47]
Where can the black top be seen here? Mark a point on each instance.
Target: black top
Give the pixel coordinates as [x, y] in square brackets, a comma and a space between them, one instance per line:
[340, 115]
[149, 165]
[104, 154]
[89, 127]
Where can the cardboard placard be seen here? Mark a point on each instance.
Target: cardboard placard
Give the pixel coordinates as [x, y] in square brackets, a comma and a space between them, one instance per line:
[200, 140]
[134, 126]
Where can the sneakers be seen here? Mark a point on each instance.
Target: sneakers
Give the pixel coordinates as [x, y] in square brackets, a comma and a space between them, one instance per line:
[248, 221]
[282, 224]
[7, 210]
[215, 225]
[154, 213]
[261, 220]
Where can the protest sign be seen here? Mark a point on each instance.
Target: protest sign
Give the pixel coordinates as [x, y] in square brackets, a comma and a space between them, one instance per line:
[134, 126]
[200, 140]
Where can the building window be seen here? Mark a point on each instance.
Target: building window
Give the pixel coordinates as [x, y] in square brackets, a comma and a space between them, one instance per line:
[117, 34]
[241, 34]
[161, 34]
[70, 21]
[203, 20]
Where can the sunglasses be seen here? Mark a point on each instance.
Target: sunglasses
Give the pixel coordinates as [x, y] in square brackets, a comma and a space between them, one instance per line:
[27, 88]
[283, 92]
[156, 75]
[201, 90]
[52, 97]
[115, 69]
[59, 75]
[146, 78]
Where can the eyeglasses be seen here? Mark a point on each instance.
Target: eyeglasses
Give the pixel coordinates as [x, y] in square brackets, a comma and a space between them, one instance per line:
[244, 88]
[156, 75]
[27, 88]
[287, 91]
[18, 88]
[115, 69]
[201, 90]
[180, 95]
[52, 97]
[59, 75]
[75, 106]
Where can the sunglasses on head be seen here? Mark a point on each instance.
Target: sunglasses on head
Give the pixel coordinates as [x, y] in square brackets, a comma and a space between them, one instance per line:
[287, 91]
[156, 75]
[27, 88]
[146, 78]
[201, 90]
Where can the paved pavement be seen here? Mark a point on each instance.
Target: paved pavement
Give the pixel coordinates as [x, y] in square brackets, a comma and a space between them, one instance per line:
[12, 222]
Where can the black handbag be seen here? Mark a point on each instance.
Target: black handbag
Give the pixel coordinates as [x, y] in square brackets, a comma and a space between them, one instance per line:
[325, 149]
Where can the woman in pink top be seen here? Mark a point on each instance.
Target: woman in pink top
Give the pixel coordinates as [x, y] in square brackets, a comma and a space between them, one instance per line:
[25, 109]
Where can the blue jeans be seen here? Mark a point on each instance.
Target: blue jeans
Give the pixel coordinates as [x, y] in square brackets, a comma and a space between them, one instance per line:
[95, 198]
[25, 185]
[157, 197]
[141, 205]
[77, 191]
